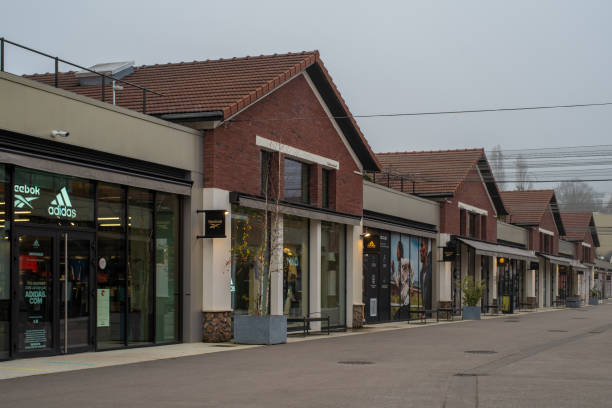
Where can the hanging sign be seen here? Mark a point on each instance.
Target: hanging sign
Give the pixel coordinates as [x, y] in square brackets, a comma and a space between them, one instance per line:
[371, 243]
[214, 224]
[449, 252]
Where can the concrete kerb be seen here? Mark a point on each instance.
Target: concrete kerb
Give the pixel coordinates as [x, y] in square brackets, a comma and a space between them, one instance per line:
[83, 361]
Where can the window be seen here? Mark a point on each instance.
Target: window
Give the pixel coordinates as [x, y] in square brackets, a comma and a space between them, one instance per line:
[266, 167]
[248, 238]
[333, 273]
[111, 247]
[483, 227]
[462, 222]
[296, 181]
[140, 276]
[473, 225]
[167, 267]
[5, 268]
[295, 266]
[326, 174]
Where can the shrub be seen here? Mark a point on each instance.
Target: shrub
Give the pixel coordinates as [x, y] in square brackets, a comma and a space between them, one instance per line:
[472, 291]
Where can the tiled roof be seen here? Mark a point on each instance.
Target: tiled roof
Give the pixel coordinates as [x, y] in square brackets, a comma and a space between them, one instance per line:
[225, 85]
[431, 172]
[527, 207]
[577, 224]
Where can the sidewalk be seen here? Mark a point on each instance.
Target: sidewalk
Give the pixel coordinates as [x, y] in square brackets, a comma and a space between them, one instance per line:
[83, 361]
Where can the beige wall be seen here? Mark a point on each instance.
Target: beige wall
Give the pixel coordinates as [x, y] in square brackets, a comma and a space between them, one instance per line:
[567, 248]
[603, 224]
[385, 200]
[512, 233]
[34, 109]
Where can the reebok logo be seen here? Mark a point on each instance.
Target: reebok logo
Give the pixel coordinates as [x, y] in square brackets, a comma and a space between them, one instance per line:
[62, 206]
[22, 201]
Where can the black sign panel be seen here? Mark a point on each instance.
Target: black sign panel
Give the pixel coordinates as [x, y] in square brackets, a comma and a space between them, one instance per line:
[534, 265]
[214, 224]
[371, 244]
[449, 252]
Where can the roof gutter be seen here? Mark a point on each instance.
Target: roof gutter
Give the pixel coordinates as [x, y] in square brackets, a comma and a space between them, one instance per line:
[193, 116]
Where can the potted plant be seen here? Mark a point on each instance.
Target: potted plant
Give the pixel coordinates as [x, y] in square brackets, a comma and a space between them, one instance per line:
[472, 293]
[259, 326]
[594, 298]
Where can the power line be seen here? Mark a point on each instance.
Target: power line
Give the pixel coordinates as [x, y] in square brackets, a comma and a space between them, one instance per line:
[449, 112]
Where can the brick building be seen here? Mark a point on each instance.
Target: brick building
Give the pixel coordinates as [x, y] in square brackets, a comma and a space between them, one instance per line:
[275, 130]
[462, 184]
[580, 230]
[537, 211]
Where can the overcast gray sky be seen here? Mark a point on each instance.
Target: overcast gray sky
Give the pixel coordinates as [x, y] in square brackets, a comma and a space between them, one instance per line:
[385, 57]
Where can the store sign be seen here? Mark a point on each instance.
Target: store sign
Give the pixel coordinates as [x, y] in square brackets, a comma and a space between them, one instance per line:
[24, 195]
[214, 224]
[46, 198]
[449, 252]
[62, 206]
[371, 243]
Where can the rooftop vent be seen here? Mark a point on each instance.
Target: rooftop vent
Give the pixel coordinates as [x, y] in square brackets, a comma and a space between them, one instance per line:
[117, 70]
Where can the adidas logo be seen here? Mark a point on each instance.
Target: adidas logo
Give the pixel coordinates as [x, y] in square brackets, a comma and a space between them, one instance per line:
[62, 206]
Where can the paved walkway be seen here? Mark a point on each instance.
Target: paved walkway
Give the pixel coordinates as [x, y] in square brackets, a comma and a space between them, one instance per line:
[554, 359]
[82, 361]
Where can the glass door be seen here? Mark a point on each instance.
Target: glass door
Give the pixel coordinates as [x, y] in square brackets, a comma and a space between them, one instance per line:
[75, 298]
[34, 315]
[43, 301]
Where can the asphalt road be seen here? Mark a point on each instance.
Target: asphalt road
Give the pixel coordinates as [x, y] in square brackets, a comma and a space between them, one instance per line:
[556, 359]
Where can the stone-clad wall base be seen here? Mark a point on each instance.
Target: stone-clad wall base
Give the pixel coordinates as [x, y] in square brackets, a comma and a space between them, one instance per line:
[358, 313]
[217, 327]
[445, 305]
[531, 303]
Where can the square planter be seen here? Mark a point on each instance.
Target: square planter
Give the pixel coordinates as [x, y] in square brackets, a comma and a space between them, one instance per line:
[260, 329]
[593, 301]
[471, 313]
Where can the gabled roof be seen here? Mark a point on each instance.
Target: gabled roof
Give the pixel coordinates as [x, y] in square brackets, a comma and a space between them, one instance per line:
[577, 225]
[527, 207]
[222, 88]
[439, 173]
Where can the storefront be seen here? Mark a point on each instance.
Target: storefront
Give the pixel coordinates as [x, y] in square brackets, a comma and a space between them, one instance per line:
[95, 265]
[397, 281]
[399, 258]
[502, 268]
[314, 280]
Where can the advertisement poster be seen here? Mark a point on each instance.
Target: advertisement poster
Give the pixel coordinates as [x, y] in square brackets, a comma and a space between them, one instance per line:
[397, 254]
[426, 272]
[103, 308]
[415, 272]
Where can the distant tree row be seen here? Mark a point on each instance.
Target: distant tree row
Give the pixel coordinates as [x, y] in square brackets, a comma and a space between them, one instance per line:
[572, 196]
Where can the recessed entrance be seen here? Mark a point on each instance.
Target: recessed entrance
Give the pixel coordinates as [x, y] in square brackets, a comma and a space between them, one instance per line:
[52, 285]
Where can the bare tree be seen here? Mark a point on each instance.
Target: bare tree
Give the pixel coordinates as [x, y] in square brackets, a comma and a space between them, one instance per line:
[522, 175]
[578, 196]
[497, 165]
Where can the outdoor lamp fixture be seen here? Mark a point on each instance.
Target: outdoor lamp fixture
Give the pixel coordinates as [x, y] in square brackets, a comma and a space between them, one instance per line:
[366, 235]
[59, 133]
[226, 212]
[501, 260]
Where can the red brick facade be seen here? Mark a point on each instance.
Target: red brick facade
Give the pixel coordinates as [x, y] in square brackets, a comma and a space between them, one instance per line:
[548, 223]
[232, 158]
[473, 193]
